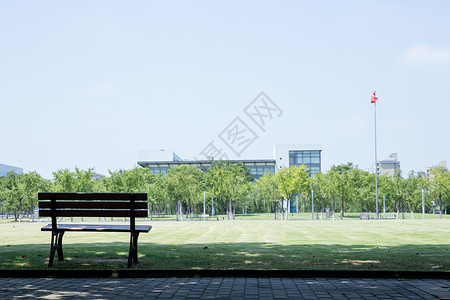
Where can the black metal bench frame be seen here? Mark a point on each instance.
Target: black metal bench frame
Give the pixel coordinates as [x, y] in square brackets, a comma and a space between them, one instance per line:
[127, 205]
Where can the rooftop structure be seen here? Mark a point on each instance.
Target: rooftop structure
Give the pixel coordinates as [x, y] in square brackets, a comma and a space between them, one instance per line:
[442, 164]
[387, 166]
[5, 169]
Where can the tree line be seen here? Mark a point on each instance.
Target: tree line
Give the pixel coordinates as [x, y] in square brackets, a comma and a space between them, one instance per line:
[230, 189]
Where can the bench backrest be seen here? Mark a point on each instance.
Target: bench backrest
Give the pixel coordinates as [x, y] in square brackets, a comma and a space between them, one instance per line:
[93, 205]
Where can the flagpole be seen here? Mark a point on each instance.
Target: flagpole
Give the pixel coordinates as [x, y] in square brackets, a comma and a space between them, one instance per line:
[376, 164]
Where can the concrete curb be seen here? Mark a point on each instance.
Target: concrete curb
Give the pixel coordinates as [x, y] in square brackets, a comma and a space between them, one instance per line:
[125, 273]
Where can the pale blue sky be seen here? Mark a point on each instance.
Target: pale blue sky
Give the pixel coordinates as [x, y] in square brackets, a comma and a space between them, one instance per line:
[91, 83]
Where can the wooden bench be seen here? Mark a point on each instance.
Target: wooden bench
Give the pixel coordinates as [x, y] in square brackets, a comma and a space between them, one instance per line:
[56, 205]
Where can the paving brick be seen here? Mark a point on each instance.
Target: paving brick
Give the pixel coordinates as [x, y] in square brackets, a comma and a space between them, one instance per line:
[224, 288]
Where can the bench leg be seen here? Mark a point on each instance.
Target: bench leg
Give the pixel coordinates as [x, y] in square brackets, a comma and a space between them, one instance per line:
[133, 256]
[56, 246]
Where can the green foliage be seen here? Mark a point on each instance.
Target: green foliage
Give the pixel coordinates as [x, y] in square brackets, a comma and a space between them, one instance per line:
[290, 181]
[185, 184]
[228, 183]
[267, 188]
[234, 190]
[439, 186]
[341, 177]
[19, 192]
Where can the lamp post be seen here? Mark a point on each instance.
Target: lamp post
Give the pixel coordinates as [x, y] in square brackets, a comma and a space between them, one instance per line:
[374, 100]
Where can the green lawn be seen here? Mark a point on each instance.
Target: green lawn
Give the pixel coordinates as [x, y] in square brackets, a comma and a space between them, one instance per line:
[242, 244]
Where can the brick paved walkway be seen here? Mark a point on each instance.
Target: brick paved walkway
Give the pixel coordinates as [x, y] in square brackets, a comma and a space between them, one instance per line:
[223, 288]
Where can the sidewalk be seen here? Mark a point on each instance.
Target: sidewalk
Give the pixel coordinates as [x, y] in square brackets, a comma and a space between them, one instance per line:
[223, 288]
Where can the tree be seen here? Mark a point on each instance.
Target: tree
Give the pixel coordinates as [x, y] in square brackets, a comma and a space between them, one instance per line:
[64, 181]
[185, 185]
[268, 189]
[319, 186]
[157, 193]
[32, 184]
[14, 192]
[225, 179]
[83, 180]
[412, 192]
[290, 181]
[20, 192]
[387, 189]
[399, 186]
[340, 177]
[439, 185]
[362, 192]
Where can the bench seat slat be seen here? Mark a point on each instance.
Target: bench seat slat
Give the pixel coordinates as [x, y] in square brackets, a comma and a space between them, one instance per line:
[95, 227]
[92, 213]
[93, 204]
[93, 196]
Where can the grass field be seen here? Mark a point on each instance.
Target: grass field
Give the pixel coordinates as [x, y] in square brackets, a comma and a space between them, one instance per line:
[242, 244]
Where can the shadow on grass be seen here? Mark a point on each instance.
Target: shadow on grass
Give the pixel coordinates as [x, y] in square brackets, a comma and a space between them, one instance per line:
[251, 256]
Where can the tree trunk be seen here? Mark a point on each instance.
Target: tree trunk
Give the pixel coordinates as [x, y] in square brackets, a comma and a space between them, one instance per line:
[412, 212]
[188, 210]
[230, 210]
[288, 204]
[323, 205]
[398, 209]
[151, 212]
[440, 206]
[403, 210]
[20, 211]
[32, 210]
[181, 211]
[342, 207]
[177, 210]
[276, 210]
[334, 206]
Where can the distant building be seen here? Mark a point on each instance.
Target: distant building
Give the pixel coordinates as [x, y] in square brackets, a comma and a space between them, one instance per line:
[387, 166]
[441, 164]
[158, 155]
[5, 169]
[159, 162]
[299, 154]
[421, 173]
[98, 176]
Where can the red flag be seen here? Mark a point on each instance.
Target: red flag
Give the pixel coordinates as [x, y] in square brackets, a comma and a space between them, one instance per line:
[373, 99]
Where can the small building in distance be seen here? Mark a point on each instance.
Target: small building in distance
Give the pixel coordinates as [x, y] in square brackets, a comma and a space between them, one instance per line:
[5, 169]
[387, 166]
[442, 164]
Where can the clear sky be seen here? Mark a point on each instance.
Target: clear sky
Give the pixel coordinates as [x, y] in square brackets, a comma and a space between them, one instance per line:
[92, 83]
